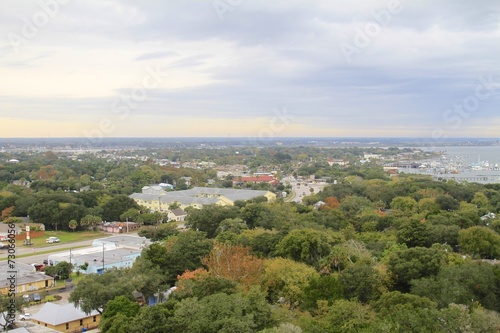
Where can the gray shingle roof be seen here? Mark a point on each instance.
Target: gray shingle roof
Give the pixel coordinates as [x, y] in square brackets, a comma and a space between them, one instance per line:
[200, 195]
[25, 274]
[56, 314]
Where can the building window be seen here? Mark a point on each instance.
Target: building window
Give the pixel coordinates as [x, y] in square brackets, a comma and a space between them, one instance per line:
[67, 326]
[81, 322]
[94, 319]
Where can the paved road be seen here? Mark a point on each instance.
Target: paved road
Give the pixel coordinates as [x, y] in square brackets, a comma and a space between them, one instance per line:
[300, 189]
[33, 256]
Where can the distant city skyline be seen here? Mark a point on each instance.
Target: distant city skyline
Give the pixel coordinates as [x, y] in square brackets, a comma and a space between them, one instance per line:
[253, 69]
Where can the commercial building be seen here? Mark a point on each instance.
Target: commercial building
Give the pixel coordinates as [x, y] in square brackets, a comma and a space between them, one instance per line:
[105, 253]
[198, 197]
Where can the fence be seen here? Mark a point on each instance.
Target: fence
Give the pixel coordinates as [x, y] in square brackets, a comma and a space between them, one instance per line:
[33, 234]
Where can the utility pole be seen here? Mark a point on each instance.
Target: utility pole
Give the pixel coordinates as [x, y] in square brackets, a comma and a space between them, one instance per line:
[159, 211]
[102, 258]
[70, 267]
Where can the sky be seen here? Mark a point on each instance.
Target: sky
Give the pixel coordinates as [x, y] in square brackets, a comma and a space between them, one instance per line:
[249, 68]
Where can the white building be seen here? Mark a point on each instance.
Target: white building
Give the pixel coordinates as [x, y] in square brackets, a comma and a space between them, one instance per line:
[105, 253]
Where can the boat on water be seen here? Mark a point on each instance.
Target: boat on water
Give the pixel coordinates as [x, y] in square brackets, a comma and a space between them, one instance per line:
[483, 165]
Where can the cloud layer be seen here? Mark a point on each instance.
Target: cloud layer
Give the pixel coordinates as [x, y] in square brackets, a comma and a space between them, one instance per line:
[249, 68]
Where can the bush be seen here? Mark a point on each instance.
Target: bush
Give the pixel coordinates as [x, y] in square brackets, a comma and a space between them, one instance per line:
[50, 298]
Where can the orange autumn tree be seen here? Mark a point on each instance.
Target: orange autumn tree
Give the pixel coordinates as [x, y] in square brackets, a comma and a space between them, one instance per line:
[7, 212]
[236, 263]
[330, 203]
[197, 273]
[185, 281]
[47, 172]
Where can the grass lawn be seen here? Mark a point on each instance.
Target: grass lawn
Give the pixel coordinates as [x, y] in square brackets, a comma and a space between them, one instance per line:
[75, 278]
[67, 237]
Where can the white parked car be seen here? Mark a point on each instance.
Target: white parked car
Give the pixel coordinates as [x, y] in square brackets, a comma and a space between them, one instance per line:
[52, 240]
[25, 316]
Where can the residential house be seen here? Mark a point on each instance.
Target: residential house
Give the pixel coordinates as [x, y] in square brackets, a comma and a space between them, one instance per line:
[119, 227]
[187, 180]
[20, 227]
[26, 277]
[65, 317]
[177, 215]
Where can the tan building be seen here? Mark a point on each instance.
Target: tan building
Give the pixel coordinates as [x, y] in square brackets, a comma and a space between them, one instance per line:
[26, 278]
[120, 227]
[197, 197]
[65, 318]
[177, 215]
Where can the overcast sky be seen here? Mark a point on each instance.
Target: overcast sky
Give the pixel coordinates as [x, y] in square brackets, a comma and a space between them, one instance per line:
[250, 68]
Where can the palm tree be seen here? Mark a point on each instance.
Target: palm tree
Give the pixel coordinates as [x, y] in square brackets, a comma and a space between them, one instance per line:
[73, 224]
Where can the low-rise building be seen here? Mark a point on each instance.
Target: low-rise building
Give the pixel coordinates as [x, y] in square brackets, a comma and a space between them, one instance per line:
[158, 189]
[197, 197]
[337, 161]
[20, 229]
[105, 253]
[120, 227]
[23, 278]
[65, 318]
[178, 215]
[255, 179]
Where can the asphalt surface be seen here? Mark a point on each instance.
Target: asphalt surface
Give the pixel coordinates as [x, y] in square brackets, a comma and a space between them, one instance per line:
[301, 189]
[32, 255]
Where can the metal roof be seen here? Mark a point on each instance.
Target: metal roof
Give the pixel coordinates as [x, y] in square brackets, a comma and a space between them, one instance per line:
[56, 314]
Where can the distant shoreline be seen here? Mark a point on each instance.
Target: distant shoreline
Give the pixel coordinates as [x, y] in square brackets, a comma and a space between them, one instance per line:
[325, 142]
